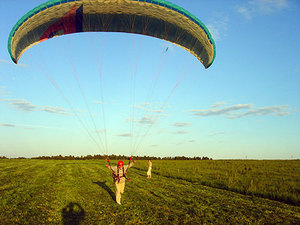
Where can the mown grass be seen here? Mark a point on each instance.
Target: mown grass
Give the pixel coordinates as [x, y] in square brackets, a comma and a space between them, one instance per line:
[273, 179]
[82, 192]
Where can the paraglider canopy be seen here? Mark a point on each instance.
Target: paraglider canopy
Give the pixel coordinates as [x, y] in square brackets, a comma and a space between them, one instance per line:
[156, 18]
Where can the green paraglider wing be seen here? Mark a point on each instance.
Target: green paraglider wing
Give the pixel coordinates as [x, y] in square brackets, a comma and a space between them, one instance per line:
[156, 18]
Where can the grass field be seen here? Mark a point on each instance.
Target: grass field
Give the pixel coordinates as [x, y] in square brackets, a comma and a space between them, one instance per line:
[278, 180]
[180, 192]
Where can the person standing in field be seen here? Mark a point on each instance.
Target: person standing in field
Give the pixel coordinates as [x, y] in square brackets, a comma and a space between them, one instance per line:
[119, 175]
[149, 169]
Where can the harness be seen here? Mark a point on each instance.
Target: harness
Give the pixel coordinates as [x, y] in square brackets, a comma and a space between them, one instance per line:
[117, 176]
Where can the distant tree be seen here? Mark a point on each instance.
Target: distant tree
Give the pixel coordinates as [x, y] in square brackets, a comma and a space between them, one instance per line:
[116, 157]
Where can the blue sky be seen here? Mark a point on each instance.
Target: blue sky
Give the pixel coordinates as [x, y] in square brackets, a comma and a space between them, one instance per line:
[108, 93]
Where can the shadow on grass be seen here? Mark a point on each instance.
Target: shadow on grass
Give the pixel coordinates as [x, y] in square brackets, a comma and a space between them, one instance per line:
[72, 214]
[106, 188]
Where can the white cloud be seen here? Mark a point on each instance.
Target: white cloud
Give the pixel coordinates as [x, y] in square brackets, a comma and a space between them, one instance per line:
[262, 7]
[277, 110]
[244, 11]
[162, 115]
[214, 31]
[269, 6]
[147, 120]
[26, 126]
[23, 105]
[155, 110]
[3, 91]
[124, 135]
[181, 132]
[242, 110]
[218, 26]
[26, 106]
[219, 111]
[218, 104]
[51, 109]
[7, 125]
[147, 107]
[10, 62]
[4, 61]
[181, 124]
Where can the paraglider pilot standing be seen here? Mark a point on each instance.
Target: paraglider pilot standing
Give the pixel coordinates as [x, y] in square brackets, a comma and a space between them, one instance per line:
[119, 175]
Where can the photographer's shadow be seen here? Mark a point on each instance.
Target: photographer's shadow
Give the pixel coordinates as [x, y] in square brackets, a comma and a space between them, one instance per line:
[72, 214]
[106, 188]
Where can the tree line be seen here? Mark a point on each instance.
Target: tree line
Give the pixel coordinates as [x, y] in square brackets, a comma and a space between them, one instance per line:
[119, 157]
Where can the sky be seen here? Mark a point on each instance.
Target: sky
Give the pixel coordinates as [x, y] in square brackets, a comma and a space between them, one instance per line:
[114, 93]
